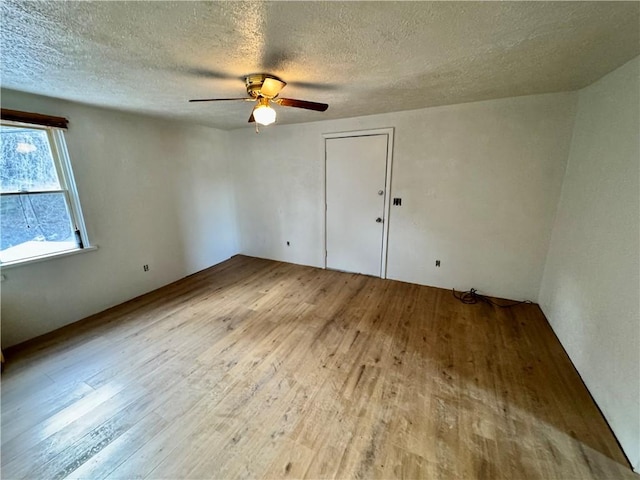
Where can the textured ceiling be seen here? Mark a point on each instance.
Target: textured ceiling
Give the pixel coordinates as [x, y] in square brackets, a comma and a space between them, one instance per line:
[359, 57]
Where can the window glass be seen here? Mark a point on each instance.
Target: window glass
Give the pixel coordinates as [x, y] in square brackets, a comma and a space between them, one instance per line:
[34, 225]
[27, 162]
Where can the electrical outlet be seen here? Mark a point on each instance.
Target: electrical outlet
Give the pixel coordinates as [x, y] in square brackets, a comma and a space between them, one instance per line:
[437, 263]
[145, 268]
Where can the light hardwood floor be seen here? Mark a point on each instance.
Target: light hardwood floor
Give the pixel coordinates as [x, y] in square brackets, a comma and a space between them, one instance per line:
[260, 369]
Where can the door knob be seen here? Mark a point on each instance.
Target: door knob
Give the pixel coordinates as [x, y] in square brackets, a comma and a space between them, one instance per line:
[380, 192]
[378, 220]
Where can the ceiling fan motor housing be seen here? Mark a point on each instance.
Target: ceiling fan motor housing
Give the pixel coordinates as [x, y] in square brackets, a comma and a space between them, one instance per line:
[254, 84]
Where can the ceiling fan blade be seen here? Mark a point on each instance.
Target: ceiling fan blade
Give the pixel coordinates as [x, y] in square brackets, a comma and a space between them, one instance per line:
[251, 118]
[271, 87]
[221, 99]
[292, 102]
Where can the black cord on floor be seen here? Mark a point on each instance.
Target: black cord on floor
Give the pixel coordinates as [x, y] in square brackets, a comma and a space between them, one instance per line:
[472, 296]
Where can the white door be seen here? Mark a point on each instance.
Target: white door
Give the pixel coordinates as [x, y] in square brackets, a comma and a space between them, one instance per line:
[356, 169]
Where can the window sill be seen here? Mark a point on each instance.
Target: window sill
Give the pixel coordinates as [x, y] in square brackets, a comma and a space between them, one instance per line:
[49, 256]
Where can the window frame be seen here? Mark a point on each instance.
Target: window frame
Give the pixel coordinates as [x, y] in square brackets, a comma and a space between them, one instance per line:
[68, 186]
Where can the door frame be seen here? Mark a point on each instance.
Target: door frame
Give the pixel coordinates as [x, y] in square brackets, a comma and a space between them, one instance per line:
[389, 132]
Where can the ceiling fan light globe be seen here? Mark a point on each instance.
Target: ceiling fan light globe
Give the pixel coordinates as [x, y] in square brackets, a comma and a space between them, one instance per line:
[264, 115]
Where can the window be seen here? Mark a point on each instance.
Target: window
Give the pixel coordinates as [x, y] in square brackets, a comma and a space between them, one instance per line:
[40, 213]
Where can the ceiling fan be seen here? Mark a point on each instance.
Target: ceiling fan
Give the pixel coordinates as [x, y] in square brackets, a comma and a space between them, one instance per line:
[263, 89]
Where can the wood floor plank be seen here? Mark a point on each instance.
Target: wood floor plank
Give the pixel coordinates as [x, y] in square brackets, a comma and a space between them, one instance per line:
[260, 369]
[40, 406]
[101, 464]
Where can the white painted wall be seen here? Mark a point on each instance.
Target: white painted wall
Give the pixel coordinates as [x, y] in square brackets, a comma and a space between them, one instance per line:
[153, 192]
[479, 184]
[591, 286]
